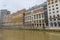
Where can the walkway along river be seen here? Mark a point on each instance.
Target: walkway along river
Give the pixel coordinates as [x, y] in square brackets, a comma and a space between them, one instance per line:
[23, 34]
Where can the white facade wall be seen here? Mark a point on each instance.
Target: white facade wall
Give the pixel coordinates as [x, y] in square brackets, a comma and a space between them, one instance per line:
[56, 13]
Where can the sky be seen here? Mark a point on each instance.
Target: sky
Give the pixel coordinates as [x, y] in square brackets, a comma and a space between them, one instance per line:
[14, 5]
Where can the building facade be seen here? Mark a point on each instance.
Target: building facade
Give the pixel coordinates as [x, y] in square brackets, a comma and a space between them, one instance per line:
[2, 13]
[36, 17]
[14, 20]
[53, 7]
[7, 20]
[17, 18]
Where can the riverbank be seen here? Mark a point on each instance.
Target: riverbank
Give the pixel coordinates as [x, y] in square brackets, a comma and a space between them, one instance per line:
[46, 30]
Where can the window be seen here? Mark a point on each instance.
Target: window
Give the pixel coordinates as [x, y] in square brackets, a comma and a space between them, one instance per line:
[39, 21]
[43, 25]
[52, 5]
[40, 24]
[56, 1]
[55, 24]
[43, 21]
[59, 24]
[51, 24]
[56, 4]
[49, 9]
[30, 17]
[57, 8]
[52, 2]
[39, 15]
[50, 13]
[50, 18]
[53, 16]
[35, 16]
[54, 19]
[58, 17]
[42, 15]
[53, 12]
[37, 25]
[53, 9]
[57, 11]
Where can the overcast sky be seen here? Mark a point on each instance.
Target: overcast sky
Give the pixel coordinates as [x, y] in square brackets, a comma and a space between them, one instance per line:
[14, 5]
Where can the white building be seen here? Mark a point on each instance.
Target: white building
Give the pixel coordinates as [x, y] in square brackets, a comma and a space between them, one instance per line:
[36, 17]
[53, 7]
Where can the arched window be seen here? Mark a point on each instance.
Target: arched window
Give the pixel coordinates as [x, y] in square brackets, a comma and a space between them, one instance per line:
[51, 24]
[55, 24]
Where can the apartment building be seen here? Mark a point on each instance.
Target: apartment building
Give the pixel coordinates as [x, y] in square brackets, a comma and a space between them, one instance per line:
[2, 13]
[7, 20]
[14, 20]
[17, 18]
[36, 17]
[53, 7]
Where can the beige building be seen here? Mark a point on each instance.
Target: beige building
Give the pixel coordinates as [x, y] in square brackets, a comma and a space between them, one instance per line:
[14, 19]
[7, 20]
[17, 18]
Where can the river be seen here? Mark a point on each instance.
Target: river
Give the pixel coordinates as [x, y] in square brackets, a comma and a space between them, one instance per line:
[20, 34]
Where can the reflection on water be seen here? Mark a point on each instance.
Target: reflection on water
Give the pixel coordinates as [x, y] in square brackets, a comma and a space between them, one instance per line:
[15, 34]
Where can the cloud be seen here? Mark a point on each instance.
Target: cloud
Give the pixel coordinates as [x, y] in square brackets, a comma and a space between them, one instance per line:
[14, 5]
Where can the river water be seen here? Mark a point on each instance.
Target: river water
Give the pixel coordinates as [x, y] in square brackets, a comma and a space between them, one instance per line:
[20, 34]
